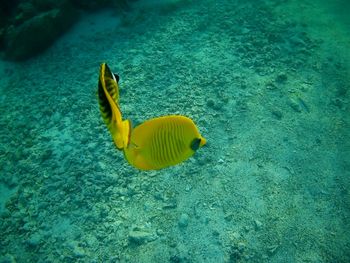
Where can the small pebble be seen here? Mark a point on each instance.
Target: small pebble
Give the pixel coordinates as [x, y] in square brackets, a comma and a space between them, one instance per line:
[281, 78]
[294, 105]
[139, 237]
[34, 240]
[8, 258]
[210, 103]
[272, 249]
[277, 114]
[183, 221]
[257, 224]
[241, 246]
[78, 252]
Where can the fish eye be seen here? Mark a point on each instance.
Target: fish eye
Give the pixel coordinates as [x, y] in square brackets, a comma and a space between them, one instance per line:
[195, 144]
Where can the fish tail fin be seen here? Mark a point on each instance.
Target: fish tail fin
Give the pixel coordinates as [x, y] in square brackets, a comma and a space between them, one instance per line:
[108, 96]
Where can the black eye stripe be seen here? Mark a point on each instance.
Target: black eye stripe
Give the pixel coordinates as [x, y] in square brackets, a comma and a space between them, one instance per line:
[195, 144]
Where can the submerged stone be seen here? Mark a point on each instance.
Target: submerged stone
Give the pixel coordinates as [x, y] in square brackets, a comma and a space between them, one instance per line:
[34, 240]
[38, 32]
[139, 237]
[183, 221]
[8, 258]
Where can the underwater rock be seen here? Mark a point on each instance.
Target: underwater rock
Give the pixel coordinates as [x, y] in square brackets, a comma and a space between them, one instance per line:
[6, 9]
[78, 252]
[214, 105]
[8, 258]
[34, 240]
[210, 103]
[277, 114]
[139, 237]
[38, 32]
[45, 5]
[5, 215]
[183, 221]
[338, 103]
[342, 89]
[24, 11]
[38, 23]
[281, 78]
[257, 224]
[91, 4]
[298, 104]
[241, 246]
[271, 250]
[97, 4]
[294, 105]
[178, 259]
[76, 249]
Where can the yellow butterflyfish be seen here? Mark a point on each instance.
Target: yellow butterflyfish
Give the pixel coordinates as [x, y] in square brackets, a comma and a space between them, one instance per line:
[108, 95]
[156, 143]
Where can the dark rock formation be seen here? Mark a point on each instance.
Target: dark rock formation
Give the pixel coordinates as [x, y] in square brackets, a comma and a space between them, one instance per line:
[27, 27]
[91, 4]
[37, 32]
[6, 11]
[121, 5]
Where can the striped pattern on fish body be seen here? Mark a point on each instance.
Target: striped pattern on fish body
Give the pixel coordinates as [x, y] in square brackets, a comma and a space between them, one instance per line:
[154, 144]
[163, 142]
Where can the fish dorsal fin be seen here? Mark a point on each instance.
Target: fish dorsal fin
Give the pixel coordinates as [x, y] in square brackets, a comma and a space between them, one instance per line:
[108, 94]
[111, 80]
[116, 77]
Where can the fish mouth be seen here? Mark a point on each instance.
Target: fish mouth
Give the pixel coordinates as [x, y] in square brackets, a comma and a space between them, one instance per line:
[203, 142]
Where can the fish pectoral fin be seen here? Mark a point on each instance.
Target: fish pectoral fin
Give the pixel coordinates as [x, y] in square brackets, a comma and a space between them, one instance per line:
[127, 128]
[138, 160]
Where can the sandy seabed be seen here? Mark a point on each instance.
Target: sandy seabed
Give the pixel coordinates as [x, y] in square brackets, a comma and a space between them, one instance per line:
[268, 85]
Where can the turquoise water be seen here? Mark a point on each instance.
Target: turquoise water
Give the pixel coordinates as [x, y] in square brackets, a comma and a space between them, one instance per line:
[266, 82]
